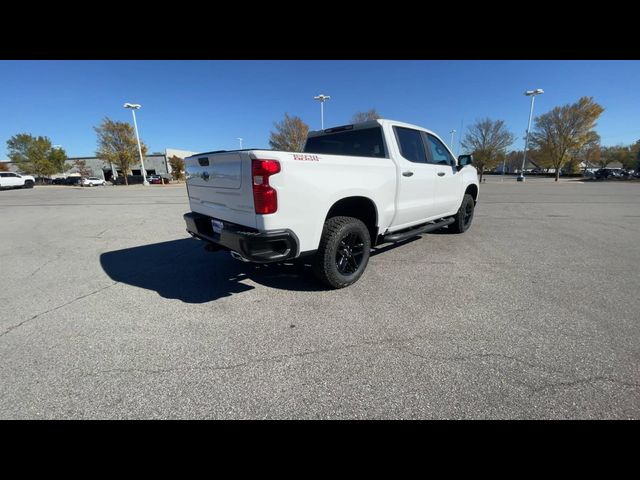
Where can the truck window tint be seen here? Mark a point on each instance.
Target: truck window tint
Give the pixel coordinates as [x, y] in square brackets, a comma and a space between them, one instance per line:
[439, 153]
[411, 146]
[366, 142]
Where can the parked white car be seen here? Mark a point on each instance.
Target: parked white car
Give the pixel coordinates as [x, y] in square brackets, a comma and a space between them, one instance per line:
[352, 188]
[92, 182]
[15, 180]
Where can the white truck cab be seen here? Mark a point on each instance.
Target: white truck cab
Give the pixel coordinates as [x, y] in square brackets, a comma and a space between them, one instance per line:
[351, 188]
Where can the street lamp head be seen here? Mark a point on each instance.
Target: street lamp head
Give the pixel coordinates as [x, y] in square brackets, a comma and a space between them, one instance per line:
[322, 97]
[135, 106]
[537, 91]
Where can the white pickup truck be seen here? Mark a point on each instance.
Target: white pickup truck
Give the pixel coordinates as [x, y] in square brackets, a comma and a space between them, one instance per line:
[352, 188]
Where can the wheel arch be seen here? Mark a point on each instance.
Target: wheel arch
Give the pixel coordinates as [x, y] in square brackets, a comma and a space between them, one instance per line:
[362, 208]
[472, 190]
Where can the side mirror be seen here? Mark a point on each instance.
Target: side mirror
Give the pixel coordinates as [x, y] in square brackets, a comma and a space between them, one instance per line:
[464, 160]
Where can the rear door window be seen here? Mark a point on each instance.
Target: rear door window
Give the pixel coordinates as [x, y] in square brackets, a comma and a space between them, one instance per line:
[411, 145]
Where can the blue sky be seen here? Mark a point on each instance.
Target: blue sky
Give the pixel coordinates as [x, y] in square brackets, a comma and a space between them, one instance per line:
[205, 105]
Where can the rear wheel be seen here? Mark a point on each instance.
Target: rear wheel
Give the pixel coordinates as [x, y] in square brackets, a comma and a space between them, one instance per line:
[344, 251]
[464, 217]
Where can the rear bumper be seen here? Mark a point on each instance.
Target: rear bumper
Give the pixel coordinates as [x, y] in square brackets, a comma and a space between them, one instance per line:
[253, 245]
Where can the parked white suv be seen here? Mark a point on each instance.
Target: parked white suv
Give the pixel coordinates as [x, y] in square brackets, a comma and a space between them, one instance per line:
[92, 181]
[15, 180]
[352, 188]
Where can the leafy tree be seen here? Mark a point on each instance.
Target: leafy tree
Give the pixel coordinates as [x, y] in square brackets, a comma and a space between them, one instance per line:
[589, 153]
[487, 140]
[82, 168]
[360, 117]
[36, 155]
[635, 150]
[606, 157]
[290, 135]
[593, 154]
[58, 157]
[558, 134]
[4, 167]
[618, 154]
[572, 166]
[627, 158]
[177, 167]
[117, 145]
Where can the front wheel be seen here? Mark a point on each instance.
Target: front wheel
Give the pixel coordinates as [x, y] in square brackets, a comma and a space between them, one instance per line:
[28, 184]
[344, 251]
[464, 217]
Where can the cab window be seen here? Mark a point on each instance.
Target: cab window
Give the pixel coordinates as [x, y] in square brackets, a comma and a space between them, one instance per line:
[439, 153]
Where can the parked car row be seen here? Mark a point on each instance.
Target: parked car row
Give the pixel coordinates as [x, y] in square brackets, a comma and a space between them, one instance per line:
[615, 173]
[157, 179]
[76, 180]
[11, 180]
[67, 181]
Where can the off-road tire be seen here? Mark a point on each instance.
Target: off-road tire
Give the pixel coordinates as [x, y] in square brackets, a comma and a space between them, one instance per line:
[344, 251]
[464, 217]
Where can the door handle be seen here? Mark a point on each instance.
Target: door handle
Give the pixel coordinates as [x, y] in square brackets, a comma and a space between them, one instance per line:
[441, 174]
[407, 174]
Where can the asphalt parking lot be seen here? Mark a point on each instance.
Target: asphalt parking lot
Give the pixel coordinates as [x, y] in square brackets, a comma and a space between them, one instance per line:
[108, 309]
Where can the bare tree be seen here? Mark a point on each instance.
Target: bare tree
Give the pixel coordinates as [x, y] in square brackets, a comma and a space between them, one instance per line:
[487, 140]
[565, 130]
[514, 160]
[117, 145]
[360, 117]
[290, 135]
[82, 168]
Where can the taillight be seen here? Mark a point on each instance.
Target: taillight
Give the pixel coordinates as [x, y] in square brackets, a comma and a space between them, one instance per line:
[265, 198]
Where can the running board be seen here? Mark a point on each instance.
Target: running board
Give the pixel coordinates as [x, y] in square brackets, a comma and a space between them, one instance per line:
[429, 227]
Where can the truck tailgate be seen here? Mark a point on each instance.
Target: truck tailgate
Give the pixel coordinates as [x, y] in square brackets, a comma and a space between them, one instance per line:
[219, 185]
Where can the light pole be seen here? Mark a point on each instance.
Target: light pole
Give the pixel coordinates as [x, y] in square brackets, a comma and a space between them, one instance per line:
[322, 98]
[452, 132]
[240, 139]
[532, 94]
[134, 107]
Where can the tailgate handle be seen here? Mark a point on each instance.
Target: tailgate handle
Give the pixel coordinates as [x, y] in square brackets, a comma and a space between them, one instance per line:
[204, 162]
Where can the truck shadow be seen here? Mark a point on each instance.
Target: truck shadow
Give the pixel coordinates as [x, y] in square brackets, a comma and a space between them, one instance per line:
[183, 270]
